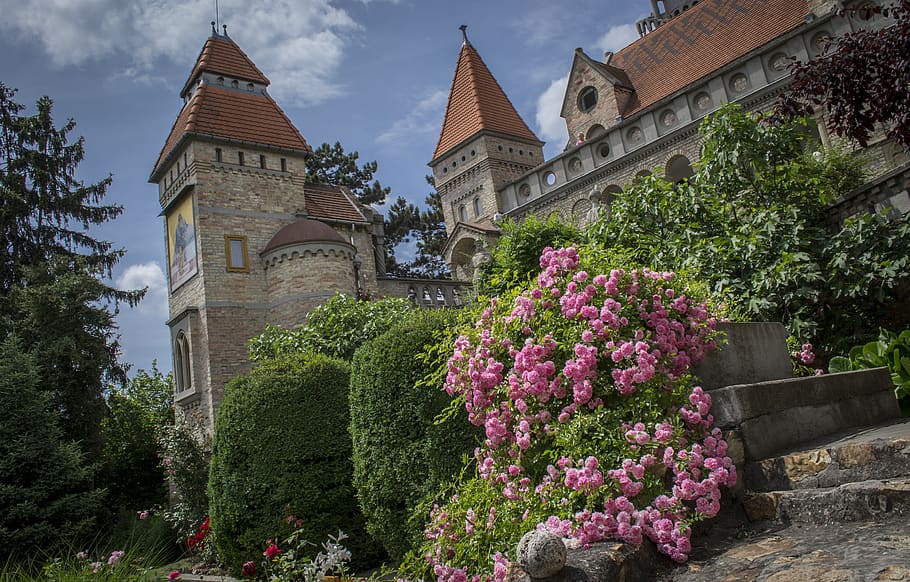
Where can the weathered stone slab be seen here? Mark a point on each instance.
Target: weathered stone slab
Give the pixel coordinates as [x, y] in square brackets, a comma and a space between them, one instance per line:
[859, 501]
[881, 452]
[755, 352]
[733, 404]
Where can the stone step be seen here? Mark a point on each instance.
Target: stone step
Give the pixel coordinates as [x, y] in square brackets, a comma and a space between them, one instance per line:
[881, 452]
[851, 502]
[780, 415]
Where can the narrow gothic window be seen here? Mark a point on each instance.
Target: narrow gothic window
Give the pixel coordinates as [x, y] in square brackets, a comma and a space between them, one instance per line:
[478, 208]
[262, 161]
[462, 213]
[240, 158]
[182, 370]
[217, 154]
[284, 165]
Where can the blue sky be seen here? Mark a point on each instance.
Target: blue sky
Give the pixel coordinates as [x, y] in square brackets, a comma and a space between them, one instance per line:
[372, 74]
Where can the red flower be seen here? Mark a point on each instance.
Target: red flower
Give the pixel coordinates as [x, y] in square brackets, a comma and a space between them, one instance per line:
[272, 551]
[191, 542]
[205, 524]
[248, 570]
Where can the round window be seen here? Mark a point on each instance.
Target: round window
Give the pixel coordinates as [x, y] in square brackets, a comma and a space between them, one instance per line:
[549, 178]
[635, 135]
[524, 190]
[703, 101]
[668, 118]
[587, 99]
[603, 150]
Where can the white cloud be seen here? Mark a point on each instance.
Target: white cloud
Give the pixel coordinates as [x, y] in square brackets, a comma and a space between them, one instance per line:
[549, 104]
[618, 37]
[424, 118]
[147, 275]
[301, 41]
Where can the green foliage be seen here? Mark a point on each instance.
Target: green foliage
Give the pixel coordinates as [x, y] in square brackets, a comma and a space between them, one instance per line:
[335, 329]
[751, 223]
[52, 293]
[517, 254]
[186, 446]
[138, 412]
[281, 446]
[406, 222]
[890, 350]
[46, 495]
[331, 165]
[401, 455]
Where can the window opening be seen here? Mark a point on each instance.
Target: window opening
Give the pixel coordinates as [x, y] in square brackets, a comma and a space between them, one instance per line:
[235, 251]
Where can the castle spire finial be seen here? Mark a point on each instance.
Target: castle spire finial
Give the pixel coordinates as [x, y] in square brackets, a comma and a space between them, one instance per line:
[224, 26]
[214, 32]
[464, 33]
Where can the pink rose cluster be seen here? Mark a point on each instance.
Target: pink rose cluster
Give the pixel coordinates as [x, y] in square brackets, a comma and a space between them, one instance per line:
[573, 345]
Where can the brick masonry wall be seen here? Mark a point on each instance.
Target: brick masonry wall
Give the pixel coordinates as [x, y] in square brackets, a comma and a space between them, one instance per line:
[227, 308]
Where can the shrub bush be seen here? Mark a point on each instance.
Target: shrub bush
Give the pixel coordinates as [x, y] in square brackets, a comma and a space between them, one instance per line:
[281, 446]
[335, 329]
[401, 455]
[594, 428]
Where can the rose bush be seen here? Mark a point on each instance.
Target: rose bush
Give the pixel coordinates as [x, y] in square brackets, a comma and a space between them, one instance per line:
[594, 427]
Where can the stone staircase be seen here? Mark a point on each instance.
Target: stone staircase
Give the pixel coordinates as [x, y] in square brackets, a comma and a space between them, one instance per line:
[824, 488]
[818, 450]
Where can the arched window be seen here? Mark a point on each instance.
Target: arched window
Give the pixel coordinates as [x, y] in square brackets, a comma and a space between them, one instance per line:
[182, 363]
[462, 213]
[478, 208]
[678, 169]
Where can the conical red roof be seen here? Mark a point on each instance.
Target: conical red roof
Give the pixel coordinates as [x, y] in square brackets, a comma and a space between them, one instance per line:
[222, 56]
[234, 114]
[476, 103]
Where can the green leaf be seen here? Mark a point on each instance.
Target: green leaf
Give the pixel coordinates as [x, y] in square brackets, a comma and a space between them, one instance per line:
[839, 364]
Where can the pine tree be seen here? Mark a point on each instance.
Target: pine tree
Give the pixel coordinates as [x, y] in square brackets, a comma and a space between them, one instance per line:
[46, 495]
[333, 166]
[52, 271]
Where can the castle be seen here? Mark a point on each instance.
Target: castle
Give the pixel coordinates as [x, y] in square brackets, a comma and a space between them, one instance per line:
[249, 243]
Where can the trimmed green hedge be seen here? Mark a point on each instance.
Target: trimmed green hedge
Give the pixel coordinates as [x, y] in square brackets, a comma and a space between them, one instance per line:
[281, 443]
[400, 455]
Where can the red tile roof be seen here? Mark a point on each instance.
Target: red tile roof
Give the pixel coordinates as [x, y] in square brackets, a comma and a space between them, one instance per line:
[332, 203]
[222, 56]
[234, 115]
[477, 102]
[701, 40]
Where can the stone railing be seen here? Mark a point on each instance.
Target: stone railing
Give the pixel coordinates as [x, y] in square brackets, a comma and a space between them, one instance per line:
[428, 293]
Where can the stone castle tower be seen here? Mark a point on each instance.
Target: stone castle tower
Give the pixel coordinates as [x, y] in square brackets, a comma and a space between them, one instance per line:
[484, 144]
[248, 243]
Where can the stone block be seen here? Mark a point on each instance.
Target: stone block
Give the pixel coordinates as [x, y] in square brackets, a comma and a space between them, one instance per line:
[851, 502]
[881, 452]
[754, 352]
